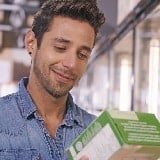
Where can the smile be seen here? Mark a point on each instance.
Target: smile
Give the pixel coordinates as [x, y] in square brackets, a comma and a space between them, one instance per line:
[63, 77]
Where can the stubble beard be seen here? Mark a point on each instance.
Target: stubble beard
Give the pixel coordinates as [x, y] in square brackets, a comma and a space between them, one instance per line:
[55, 89]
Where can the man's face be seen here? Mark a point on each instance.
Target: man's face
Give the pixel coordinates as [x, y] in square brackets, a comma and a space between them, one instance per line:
[60, 61]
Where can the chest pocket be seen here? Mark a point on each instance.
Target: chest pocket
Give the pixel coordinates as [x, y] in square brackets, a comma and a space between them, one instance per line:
[21, 154]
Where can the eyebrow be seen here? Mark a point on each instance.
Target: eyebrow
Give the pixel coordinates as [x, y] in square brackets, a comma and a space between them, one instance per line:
[60, 39]
[86, 48]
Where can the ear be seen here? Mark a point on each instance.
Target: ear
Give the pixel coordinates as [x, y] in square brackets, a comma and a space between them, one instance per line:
[30, 42]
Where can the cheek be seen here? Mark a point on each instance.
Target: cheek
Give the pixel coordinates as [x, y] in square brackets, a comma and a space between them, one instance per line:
[44, 57]
[81, 69]
[40, 60]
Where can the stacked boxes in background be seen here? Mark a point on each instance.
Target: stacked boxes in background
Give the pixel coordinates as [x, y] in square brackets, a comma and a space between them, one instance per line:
[119, 135]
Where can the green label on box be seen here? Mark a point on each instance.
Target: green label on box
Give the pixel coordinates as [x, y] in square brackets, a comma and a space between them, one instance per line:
[145, 130]
[119, 134]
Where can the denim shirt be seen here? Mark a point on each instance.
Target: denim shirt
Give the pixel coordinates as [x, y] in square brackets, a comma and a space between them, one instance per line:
[23, 135]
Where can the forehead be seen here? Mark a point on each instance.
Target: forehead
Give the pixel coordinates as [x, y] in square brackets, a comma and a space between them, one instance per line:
[71, 29]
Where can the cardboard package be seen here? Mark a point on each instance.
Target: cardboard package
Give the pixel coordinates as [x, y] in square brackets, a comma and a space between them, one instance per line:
[119, 135]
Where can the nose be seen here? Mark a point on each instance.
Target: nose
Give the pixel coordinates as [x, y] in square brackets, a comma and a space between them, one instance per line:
[70, 60]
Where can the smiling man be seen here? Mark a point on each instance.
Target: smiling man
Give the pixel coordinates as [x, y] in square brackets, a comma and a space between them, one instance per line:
[42, 119]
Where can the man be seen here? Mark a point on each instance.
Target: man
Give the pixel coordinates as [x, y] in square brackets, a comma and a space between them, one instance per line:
[41, 120]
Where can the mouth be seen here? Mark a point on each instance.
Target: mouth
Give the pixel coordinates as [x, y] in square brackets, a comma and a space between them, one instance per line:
[62, 77]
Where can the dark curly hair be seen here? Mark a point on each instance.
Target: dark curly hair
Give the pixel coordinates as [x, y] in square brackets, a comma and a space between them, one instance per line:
[83, 10]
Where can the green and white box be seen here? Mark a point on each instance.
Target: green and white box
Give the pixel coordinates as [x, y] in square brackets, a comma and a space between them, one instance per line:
[119, 135]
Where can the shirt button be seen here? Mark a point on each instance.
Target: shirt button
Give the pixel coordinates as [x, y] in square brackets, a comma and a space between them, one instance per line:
[59, 136]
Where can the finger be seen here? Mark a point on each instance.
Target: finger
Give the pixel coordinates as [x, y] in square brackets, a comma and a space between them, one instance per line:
[84, 158]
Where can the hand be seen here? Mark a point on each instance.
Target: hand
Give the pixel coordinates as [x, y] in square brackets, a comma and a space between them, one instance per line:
[84, 158]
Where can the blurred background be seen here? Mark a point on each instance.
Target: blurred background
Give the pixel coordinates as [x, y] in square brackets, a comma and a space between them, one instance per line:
[124, 70]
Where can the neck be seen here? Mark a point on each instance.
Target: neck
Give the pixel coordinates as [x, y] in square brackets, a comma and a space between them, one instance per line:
[47, 105]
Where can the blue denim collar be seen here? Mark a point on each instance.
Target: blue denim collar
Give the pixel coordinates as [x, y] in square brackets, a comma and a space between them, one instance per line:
[28, 108]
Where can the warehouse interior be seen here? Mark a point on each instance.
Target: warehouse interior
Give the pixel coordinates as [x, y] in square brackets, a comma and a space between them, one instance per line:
[124, 68]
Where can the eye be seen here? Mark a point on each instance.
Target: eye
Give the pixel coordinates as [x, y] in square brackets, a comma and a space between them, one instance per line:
[83, 55]
[60, 48]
